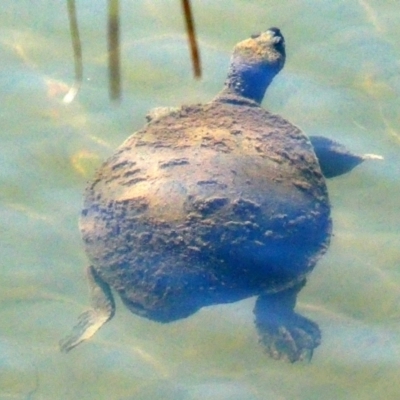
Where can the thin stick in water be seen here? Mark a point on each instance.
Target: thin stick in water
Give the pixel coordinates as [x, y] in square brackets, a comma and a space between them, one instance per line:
[77, 49]
[190, 29]
[114, 50]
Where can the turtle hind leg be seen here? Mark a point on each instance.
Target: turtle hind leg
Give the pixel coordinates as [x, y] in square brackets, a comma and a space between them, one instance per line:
[285, 334]
[103, 309]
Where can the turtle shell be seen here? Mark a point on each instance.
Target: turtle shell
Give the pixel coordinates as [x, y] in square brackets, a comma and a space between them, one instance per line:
[208, 204]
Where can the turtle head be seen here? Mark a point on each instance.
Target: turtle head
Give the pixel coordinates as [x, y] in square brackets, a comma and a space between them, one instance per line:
[254, 64]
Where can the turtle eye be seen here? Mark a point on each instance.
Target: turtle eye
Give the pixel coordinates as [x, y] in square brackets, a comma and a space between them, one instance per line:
[255, 35]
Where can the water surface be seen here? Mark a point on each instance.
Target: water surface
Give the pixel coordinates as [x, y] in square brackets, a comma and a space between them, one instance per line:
[341, 80]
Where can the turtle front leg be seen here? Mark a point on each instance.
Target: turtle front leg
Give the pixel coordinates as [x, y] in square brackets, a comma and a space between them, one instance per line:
[283, 333]
[103, 309]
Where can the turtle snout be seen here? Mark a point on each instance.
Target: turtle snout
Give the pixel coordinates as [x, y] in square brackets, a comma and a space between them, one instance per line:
[276, 35]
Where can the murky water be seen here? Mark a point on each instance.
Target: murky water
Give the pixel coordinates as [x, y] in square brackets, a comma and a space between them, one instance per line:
[341, 80]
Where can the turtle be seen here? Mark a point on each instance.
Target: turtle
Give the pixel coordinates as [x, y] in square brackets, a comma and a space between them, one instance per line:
[210, 204]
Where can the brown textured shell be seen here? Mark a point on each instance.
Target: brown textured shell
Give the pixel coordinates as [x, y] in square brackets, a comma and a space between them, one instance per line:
[209, 204]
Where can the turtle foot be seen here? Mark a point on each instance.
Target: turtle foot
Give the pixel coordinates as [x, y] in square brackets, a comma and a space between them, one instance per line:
[292, 339]
[334, 159]
[103, 309]
[285, 334]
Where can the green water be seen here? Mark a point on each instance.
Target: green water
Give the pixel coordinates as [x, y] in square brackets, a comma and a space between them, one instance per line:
[341, 80]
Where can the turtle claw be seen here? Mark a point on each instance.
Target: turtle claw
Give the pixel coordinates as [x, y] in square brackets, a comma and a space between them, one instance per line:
[159, 112]
[88, 324]
[372, 157]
